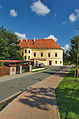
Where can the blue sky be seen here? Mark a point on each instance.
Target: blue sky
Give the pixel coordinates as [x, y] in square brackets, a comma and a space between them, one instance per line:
[57, 19]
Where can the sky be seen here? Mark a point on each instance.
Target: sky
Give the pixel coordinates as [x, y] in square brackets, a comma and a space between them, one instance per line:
[56, 19]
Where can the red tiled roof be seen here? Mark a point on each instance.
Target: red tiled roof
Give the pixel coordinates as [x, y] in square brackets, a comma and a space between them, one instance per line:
[39, 44]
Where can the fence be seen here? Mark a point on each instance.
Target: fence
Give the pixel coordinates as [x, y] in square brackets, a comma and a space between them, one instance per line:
[4, 71]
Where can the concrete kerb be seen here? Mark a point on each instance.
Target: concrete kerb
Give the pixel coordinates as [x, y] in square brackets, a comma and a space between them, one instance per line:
[14, 96]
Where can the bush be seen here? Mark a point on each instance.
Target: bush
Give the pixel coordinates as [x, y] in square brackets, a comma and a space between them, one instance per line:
[1, 63]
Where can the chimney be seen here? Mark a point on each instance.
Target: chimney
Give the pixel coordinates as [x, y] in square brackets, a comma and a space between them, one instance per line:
[26, 40]
[21, 39]
[34, 39]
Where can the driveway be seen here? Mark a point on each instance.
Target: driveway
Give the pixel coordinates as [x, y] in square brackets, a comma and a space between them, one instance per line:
[13, 86]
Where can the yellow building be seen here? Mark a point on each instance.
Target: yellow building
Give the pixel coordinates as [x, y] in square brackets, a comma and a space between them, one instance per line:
[45, 51]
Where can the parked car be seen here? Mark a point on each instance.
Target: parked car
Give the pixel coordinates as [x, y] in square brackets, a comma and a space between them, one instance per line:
[41, 65]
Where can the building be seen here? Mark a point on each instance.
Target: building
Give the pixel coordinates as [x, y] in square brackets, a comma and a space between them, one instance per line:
[45, 51]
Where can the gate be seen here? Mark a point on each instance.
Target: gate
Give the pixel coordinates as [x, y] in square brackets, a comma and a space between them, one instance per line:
[17, 68]
[25, 68]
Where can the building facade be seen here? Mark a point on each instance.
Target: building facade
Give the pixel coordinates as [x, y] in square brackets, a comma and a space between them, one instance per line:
[45, 51]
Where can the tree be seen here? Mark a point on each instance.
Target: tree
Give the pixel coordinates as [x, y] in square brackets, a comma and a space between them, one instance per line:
[74, 49]
[9, 48]
[66, 57]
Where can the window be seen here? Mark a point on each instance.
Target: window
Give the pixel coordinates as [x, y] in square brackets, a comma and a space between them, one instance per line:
[28, 51]
[25, 57]
[25, 51]
[22, 53]
[60, 62]
[34, 54]
[55, 54]
[41, 54]
[28, 57]
[48, 54]
[55, 62]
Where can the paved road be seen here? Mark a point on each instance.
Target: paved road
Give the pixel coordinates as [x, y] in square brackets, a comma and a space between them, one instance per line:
[11, 87]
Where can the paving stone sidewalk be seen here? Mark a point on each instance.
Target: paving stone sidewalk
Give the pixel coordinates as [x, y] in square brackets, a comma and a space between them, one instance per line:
[37, 102]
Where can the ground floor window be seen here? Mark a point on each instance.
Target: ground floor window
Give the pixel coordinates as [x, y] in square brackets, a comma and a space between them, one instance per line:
[25, 57]
[55, 62]
[60, 62]
[28, 57]
[50, 62]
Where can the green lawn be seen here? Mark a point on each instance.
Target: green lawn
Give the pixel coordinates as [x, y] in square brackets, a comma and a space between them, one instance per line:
[67, 94]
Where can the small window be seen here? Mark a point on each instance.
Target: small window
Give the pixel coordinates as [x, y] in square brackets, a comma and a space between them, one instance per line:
[41, 54]
[48, 54]
[22, 53]
[55, 54]
[34, 54]
[25, 51]
[28, 57]
[28, 51]
[60, 62]
[25, 57]
[55, 62]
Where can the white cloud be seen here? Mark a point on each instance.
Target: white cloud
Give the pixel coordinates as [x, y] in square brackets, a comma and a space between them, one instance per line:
[72, 17]
[52, 37]
[13, 13]
[65, 47]
[23, 36]
[39, 8]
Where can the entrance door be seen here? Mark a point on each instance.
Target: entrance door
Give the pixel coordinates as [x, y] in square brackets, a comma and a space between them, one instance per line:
[50, 62]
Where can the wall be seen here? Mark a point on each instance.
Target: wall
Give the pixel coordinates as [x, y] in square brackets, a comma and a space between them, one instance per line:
[27, 54]
[4, 71]
[52, 57]
[45, 58]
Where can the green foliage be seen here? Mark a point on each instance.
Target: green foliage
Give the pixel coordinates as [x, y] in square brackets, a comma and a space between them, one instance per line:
[66, 58]
[1, 63]
[67, 95]
[74, 49]
[9, 48]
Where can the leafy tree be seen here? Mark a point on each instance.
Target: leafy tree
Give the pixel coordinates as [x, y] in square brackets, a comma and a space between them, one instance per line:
[9, 48]
[66, 57]
[74, 49]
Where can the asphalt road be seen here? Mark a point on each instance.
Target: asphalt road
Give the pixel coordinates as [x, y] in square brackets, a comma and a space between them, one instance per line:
[10, 87]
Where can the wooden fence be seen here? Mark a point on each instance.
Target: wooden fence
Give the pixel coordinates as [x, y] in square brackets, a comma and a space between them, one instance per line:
[4, 71]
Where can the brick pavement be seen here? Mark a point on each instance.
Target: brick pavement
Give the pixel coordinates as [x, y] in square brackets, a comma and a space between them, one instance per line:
[37, 102]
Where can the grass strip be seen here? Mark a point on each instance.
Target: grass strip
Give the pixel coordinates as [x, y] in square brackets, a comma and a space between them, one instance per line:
[4, 104]
[40, 70]
[67, 95]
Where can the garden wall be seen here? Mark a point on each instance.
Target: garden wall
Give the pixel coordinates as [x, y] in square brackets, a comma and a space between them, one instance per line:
[4, 71]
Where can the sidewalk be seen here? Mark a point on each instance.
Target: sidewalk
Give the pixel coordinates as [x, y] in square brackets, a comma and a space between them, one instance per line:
[37, 102]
